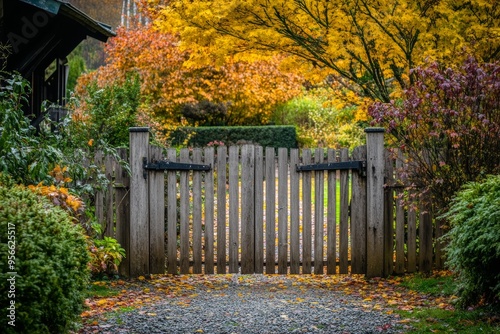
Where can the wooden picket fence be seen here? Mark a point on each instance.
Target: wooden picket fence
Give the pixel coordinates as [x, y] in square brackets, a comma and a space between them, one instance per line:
[255, 212]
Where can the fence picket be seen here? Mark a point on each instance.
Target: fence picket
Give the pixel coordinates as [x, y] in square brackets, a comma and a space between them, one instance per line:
[233, 208]
[358, 216]
[197, 224]
[122, 196]
[184, 214]
[156, 216]
[319, 212]
[270, 211]
[259, 210]
[172, 215]
[306, 215]
[412, 237]
[331, 218]
[283, 210]
[399, 266]
[109, 197]
[344, 215]
[247, 209]
[209, 211]
[425, 235]
[294, 213]
[221, 209]
[99, 195]
[388, 214]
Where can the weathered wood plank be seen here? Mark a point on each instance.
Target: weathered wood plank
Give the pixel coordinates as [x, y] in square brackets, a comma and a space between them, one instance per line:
[109, 197]
[344, 216]
[122, 184]
[233, 208]
[411, 265]
[270, 210]
[319, 212]
[425, 234]
[331, 217]
[388, 214]
[99, 195]
[283, 210]
[156, 216]
[259, 210]
[209, 211]
[306, 214]
[221, 209]
[139, 206]
[197, 209]
[375, 201]
[247, 209]
[294, 213]
[358, 217]
[399, 266]
[184, 213]
[172, 215]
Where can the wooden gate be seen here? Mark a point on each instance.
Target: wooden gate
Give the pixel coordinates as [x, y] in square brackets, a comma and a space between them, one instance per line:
[254, 211]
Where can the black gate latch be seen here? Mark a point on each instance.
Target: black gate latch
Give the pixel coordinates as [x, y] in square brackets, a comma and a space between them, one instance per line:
[169, 165]
[359, 166]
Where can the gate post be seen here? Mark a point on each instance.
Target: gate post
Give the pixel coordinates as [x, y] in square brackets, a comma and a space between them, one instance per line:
[375, 202]
[139, 203]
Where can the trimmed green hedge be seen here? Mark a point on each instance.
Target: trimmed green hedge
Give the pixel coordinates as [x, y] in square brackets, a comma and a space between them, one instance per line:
[266, 136]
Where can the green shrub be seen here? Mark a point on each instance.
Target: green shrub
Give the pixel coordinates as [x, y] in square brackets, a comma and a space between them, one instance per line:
[266, 136]
[474, 241]
[319, 123]
[25, 155]
[50, 262]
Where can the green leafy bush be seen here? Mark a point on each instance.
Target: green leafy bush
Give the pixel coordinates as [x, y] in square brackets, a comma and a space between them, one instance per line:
[266, 136]
[474, 241]
[104, 115]
[106, 255]
[50, 262]
[319, 123]
[25, 155]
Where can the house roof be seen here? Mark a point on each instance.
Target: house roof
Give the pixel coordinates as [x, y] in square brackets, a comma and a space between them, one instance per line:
[96, 29]
[39, 31]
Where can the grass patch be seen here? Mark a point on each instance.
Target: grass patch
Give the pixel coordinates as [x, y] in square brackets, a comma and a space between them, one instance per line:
[484, 319]
[101, 289]
[432, 320]
[437, 285]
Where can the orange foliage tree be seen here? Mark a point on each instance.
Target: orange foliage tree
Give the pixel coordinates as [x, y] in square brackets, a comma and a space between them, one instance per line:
[249, 90]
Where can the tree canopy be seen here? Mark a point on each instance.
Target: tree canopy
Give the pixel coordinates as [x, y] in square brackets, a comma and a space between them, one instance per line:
[366, 46]
[248, 91]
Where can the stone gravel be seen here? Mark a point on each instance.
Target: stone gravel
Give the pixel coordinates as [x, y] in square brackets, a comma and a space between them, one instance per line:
[261, 304]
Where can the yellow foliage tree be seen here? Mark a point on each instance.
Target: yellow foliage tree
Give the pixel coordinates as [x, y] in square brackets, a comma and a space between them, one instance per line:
[366, 46]
[249, 90]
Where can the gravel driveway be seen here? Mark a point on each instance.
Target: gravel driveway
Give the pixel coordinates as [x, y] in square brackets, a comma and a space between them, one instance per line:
[256, 304]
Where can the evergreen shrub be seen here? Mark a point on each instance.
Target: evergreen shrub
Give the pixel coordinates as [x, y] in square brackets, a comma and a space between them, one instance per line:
[266, 136]
[474, 241]
[50, 261]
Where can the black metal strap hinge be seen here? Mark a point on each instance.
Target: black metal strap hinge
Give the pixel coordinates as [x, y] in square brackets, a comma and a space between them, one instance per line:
[359, 166]
[169, 165]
